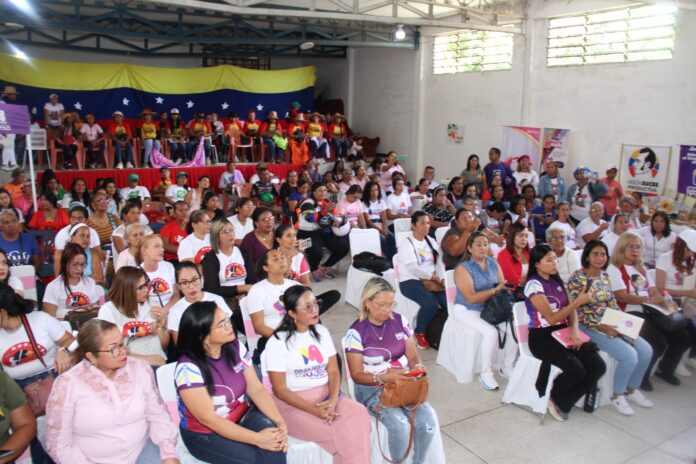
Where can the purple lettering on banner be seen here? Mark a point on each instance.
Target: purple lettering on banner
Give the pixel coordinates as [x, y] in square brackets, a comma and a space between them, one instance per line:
[14, 119]
[687, 170]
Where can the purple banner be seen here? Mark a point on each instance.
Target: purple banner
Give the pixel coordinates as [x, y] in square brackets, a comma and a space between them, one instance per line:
[687, 170]
[14, 119]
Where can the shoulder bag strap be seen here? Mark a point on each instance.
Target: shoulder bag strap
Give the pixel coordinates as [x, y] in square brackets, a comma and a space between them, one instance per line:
[32, 340]
[147, 278]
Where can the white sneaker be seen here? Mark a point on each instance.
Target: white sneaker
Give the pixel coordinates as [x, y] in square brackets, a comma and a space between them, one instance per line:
[506, 372]
[681, 370]
[691, 362]
[177, 162]
[488, 381]
[129, 165]
[622, 405]
[119, 165]
[640, 399]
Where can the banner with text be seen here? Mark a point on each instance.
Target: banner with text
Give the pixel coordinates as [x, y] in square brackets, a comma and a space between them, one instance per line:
[555, 147]
[687, 170]
[644, 168]
[518, 141]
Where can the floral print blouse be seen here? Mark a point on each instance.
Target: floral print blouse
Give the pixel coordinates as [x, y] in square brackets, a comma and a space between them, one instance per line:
[601, 296]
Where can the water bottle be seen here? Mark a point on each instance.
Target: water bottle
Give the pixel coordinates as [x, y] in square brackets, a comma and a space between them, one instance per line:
[669, 301]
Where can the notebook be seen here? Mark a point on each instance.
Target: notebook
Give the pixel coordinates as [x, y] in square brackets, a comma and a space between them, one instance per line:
[624, 323]
[563, 337]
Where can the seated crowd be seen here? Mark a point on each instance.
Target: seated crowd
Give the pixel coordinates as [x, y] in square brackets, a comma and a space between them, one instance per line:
[149, 286]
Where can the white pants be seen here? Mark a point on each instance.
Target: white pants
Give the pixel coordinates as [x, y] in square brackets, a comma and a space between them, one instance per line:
[8, 149]
[489, 344]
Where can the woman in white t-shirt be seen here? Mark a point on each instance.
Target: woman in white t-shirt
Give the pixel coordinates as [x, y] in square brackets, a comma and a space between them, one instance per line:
[190, 282]
[241, 221]
[301, 362]
[6, 277]
[71, 290]
[563, 222]
[134, 237]
[160, 273]
[197, 243]
[130, 214]
[143, 327]
[524, 174]
[619, 225]
[398, 203]
[658, 238]
[16, 353]
[375, 217]
[632, 287]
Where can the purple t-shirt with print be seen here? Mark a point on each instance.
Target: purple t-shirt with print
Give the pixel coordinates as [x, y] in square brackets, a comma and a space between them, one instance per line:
[554, 294]
[382, 346]
[229, 385]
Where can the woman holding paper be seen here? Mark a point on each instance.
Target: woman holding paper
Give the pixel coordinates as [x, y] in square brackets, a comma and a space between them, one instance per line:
[632, 355]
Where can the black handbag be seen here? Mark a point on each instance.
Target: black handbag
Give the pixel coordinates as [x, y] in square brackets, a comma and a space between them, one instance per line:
[666, 323]
[370, 262]
[498, 309]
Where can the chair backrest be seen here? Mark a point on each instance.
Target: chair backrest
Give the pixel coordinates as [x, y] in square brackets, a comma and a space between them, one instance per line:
[251, 335]
[401, 236]
[521, 320]
[450, 290]
[395, 265]
[265, 379]
[652, 274]
[440, 234]
[364, 240]
[402, 225]
[349, 379]
[165, 381]
[27, 275]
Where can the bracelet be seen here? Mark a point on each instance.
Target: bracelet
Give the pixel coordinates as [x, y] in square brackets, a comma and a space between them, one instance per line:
[415, 368]
[378, 381]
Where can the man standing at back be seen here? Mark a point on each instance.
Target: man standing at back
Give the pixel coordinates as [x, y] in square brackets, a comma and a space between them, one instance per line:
[614, 192]
[499, 168]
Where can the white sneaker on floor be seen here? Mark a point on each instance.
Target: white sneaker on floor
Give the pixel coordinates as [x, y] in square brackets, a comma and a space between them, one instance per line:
[129, 165]
[119, 165]
[488, 381]
[640, 399]
[622, 405]
[681, 370]
[177, 162]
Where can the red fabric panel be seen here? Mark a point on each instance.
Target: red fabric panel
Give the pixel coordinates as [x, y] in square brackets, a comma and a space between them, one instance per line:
[150, 176]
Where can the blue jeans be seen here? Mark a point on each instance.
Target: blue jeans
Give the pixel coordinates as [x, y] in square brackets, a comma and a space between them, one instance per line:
[150, 454]
[193, 147]
[274, 152]
[341, 147]
[120, 155]
[94, 151]
[429, 302]
[397, 422]
[388, 245]
[177, 150]
[632, 360]
[148, 145]
[319, 150]
[211, 447]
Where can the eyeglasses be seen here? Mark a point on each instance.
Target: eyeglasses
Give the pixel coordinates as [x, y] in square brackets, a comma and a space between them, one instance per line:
[143, 287]
[226, 324]
[187, 283]
[103, 200]
[556, 237]
[227, 231]
[268, 219]
[385, 306]
[310, 307]
[635, 247]
[114, 350]
[205, 221]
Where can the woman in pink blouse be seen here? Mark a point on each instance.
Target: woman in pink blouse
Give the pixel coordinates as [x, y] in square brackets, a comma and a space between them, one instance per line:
[107, 408]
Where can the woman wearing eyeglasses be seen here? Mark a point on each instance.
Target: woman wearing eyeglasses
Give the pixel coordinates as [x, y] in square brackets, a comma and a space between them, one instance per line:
[259, 241]
[143, 327]
[130, 215]
[380, 349]
[197, 243]
[107, 408]
[302, 365]
[71, 290]
[189, 282]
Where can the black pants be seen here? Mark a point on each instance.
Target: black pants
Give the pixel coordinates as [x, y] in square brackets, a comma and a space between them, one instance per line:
[581, 369]
[673, 345]
[338, 247]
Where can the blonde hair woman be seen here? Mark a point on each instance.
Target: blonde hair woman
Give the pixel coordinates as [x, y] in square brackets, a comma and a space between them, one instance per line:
[632, 287]
[380, 349]
[134, 238]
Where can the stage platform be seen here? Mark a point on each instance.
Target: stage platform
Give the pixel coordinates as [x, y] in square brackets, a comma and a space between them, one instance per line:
[149, 177]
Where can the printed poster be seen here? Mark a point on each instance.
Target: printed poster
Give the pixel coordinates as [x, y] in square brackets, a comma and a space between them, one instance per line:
[644, 168]
[687, 170]
[455, 133]
[555, 147]
[518, 141]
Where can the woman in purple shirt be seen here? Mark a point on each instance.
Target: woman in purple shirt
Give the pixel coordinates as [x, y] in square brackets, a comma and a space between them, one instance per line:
[380, 349]
[549, 310]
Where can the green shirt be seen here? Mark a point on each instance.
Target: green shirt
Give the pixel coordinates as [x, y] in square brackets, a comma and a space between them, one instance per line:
[11, 397]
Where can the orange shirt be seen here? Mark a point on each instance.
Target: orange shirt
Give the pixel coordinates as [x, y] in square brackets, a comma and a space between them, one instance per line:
[15, 190]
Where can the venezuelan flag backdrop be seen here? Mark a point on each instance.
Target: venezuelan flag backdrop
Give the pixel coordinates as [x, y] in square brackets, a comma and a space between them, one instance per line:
[102, 89]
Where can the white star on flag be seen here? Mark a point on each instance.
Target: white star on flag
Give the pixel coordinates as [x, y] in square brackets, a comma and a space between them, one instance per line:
[189, 104]
[259, 107]
[159, 100]
[34, 110]
[225, 106]
[78, 106]
[126, 101]
[287, 113]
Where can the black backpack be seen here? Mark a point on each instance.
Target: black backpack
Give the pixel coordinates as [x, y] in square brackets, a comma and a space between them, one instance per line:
[370, 262]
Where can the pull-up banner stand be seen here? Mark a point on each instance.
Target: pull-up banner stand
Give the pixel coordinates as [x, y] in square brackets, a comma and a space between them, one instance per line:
[14, 119]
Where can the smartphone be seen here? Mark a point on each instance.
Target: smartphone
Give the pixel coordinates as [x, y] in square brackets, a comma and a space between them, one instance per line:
[588, 285]
[302, 245]
[416, 373]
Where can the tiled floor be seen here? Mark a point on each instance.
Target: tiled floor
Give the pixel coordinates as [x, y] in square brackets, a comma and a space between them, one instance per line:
[478, 428]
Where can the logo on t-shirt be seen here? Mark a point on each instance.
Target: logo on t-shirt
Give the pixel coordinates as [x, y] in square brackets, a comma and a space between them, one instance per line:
[135, 329]
[76, 299]
[280, 307]
[311, 353]
[133, 194]
[234, 271]
[21, 353]
[201, 254]
[180, 194]
[159, 285]
[292, 275]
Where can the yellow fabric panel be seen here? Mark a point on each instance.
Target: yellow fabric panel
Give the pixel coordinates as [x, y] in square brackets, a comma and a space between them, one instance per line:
[64, 75]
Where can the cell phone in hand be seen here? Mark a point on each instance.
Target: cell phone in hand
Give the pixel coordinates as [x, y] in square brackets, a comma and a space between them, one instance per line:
[416, 373]
[302, 245]
[588, 285]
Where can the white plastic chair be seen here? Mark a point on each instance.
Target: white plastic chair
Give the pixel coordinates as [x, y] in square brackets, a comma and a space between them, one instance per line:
[27, 275]
[460, 345]
[520, 388]
[364, 240]
[407, 308]
[402, 225]
[401, 236]
[436, 453]
[252, 338]
[440, 235]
